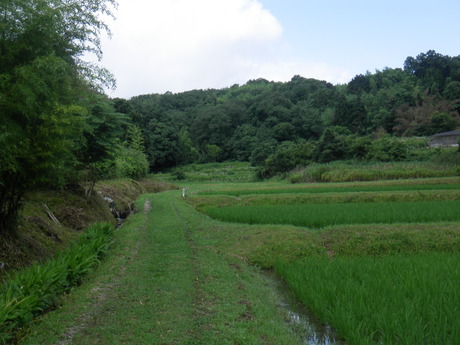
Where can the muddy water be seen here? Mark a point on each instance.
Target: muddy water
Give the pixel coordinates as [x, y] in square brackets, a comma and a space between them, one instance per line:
[312, 331]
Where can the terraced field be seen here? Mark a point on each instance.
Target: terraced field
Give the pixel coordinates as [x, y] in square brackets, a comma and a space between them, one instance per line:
[381, 260]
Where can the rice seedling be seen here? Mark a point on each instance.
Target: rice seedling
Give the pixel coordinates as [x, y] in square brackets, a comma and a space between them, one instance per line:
[392, 300]
[321, 215]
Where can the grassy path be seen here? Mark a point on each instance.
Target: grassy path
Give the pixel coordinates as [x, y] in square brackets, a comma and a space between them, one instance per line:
[169, 282]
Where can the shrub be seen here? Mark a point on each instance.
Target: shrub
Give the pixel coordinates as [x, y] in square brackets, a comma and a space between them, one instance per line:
[131, 163]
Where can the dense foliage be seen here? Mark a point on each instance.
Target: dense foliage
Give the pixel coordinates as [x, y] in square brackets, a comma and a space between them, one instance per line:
[55, 125]
[279, 126]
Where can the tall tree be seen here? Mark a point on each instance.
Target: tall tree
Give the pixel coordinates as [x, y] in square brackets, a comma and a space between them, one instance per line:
[41, 71]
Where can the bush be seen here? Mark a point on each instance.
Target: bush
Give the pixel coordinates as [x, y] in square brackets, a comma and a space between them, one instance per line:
[131, 163]
[178, 175]
[387, 149]
[287, 156]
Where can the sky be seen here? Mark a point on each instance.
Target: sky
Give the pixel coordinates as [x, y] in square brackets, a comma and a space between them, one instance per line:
[160, 46]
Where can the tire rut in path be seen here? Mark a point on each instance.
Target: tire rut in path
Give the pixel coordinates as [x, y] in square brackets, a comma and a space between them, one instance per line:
[101, 293]
[202, 303]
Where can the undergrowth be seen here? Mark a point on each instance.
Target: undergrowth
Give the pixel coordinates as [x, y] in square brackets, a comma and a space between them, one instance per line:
[33, 290]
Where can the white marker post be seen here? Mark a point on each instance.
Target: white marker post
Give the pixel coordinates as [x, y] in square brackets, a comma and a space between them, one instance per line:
[183, 191]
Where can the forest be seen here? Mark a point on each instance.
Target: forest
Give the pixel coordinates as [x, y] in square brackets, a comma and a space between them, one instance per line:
[380, 116]
[57, 127]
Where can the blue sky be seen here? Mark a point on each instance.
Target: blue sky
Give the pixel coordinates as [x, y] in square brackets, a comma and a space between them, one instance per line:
[365, 35]
[179, 45]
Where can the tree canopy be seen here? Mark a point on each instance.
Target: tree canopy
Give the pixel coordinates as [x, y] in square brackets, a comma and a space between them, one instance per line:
[252, 121]
[54, 124]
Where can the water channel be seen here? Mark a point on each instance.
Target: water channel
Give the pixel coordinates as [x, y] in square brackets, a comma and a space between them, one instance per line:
[312, 331]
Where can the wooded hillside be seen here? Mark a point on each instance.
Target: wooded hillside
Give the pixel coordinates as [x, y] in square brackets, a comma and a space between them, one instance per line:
[304, 119]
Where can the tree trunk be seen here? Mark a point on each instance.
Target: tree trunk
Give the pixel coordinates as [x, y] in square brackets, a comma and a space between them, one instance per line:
[12, 190]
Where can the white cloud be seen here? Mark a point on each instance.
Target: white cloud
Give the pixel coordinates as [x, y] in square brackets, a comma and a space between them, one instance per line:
[178, 45]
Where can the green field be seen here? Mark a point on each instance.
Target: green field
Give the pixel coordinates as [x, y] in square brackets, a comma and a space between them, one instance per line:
[378, 261]
[391, 300]
[321, 215]
[341, 189]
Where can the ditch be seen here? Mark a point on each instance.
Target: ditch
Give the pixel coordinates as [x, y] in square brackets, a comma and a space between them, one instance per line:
[306, 325]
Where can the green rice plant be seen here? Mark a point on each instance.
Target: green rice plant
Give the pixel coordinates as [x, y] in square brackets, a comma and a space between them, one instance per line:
[33, 290]
[391, 300]
[321, 215]
[338, 189]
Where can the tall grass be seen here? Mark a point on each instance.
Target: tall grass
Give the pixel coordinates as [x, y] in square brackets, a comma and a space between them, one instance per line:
[33, 290]
[394, 300]
[369, 171]
[321, 215]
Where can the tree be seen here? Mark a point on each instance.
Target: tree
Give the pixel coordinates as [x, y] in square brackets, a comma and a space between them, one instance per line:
[416, 120]
[441, 122]
[187, 152]
[242, 142]
[284, 131]
[41, 74]
[359, 84]
[307, 121]
[210, 153]
[286, 157]
[432, 69]
[136, 138]
[332, 145]
[162, 141]
[100, 141]
[387, 149]
[351, 114]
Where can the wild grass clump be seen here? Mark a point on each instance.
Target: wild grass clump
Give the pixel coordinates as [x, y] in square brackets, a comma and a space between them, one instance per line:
[369, 171]
[321, 215]
[392, 300]
[34, 290]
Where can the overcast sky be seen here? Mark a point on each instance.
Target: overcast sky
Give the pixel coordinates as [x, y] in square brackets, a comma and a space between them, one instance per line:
[180, 45]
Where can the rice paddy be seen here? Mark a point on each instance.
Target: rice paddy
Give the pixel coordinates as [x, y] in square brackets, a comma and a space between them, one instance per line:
[379, 262]
[394, 300]
[340, 189]
[321, 215]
